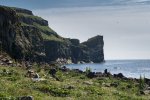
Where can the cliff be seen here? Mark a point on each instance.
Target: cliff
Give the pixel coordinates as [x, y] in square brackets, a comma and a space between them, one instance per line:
[28, 37]
[95, 46]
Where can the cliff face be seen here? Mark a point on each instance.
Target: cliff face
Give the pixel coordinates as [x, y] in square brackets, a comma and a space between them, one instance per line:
[9, 31]
[25, 36]
[95, 46]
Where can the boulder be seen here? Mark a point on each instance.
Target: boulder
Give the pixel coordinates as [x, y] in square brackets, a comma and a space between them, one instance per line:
[115, 84]
[52, 71]
[30, 73]
[106, 84]
[36, 75]
[77, 71]
[70, 87]
[105, 71]
[26, 98]
[147, 81]
[10, 62]
[148, 88]
[88, 82]
[91, 75]
[98, 74]
[64, 69]
[145, 92]
[120, 75]
[129, 86]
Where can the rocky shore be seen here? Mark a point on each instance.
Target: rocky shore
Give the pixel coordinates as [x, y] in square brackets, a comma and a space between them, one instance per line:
[55, 81]
[90, 74]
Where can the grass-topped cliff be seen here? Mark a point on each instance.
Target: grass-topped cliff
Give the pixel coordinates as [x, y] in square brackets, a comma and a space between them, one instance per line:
[25, 36]
[27, 18]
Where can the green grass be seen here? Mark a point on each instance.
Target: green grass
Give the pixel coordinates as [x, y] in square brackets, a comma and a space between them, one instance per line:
[29, 16]
[40, 27]
[51, 37]
[44, 28]
[71, 86]
[46, 31]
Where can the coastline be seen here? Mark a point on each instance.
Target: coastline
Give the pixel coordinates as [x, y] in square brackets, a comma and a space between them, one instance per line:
[55, 81]
[130, 68]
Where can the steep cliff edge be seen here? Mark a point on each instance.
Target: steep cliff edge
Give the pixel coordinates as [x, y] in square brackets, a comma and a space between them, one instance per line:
[95, 46]
[28, 37]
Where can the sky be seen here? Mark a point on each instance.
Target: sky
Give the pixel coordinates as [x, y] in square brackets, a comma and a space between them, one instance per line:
[125, 24]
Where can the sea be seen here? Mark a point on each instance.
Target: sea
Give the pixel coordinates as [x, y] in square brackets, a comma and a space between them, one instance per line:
[129, 68]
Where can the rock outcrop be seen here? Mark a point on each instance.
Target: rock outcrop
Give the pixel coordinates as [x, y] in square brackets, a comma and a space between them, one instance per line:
[28, 37]
[95, 46]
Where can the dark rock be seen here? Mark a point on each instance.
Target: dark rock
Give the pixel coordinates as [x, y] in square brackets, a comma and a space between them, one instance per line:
[105, 71]
[75, 41]
[91, 75]
[147, 81]
[30, 73]
[52, 71]
[120, 75]
[5, 60]
[77, 71]
[36, 75]
[115, 84]
[26, 98]
[106, 84]
[10, 62]
[98, 74]
[95, 45]
[144, 92]
[70, 87]
[148, 88]
[109, 74]
[64, 69]
[129, 86]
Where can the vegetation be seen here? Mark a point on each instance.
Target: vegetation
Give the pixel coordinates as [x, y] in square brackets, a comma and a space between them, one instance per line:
[72, 85]
[44, 28]
[142, 84]
[88, 70]
[29, 16]
[46, 31]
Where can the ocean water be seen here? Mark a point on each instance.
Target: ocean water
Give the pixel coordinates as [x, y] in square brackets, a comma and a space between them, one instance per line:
[129, 68]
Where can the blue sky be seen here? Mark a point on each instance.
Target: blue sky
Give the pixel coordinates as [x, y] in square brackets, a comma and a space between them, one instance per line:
[43, 4]
[123, 23]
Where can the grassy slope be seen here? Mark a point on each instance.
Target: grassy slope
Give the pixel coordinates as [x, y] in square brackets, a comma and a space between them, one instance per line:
[44, 29]
[15, 84]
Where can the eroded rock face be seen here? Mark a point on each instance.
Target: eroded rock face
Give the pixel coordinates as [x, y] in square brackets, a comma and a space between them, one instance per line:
[25, 36]
[9, 26]
[31, 20]
[91, 50]
[20, 10]
[95, 46]
[15, 39]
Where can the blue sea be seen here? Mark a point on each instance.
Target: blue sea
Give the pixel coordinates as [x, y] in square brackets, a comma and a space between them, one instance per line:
[129, 68]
